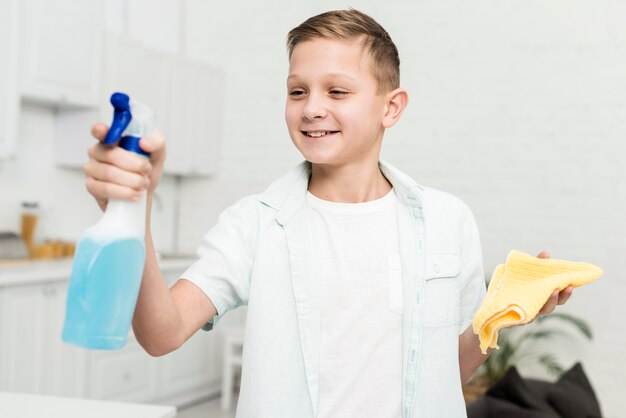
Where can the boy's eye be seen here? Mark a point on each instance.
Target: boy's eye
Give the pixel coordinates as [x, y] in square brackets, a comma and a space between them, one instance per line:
[335, 92]
[296, 93]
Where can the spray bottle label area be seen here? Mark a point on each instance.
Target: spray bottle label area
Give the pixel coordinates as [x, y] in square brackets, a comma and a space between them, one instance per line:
[103, 291]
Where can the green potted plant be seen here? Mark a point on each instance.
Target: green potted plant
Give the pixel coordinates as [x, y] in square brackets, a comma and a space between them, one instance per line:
[518, 347]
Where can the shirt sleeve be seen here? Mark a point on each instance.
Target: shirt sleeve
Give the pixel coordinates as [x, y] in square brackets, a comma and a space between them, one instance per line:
[473, 285]
[226, 256]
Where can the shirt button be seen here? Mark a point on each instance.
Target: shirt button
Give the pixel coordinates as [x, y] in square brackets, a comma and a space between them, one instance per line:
[436, 268]
[417, 299]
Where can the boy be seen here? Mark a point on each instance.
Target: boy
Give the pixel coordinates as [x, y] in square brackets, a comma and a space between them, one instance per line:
[360, 284]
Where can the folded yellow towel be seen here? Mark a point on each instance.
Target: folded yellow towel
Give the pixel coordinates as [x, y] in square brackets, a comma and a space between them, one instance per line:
[519, 289]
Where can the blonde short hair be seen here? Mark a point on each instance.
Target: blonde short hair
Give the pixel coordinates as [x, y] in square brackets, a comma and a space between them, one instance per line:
[347, 24]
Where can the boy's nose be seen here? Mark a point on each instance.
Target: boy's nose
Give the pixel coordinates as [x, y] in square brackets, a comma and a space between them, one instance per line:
[314, 109]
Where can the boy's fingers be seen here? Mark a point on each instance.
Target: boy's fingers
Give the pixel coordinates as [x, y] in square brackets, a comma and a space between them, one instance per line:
[565, 294]
[543, 254]
[550, 305]
[118, 157]
[112, 174]
[99, 130]
[104, 191]
[556, 298]
[154, 144]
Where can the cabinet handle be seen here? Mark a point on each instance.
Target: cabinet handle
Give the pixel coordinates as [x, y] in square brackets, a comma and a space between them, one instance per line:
[49, 290]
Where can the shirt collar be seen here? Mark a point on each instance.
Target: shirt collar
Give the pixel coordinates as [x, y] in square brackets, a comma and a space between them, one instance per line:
[288, 194]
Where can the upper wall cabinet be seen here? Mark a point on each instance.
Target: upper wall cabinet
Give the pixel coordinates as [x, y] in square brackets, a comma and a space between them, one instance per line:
[142, 73]
[185, 96]
[194, 120]
[60, 51]
[9, 97]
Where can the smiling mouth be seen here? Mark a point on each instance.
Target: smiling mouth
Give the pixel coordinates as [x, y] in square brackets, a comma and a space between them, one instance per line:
[318, 134]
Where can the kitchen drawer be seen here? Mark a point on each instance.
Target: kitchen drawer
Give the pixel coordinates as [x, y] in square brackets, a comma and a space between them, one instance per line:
[128, 374]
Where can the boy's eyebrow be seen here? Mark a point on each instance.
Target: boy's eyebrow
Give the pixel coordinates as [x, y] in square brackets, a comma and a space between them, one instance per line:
[329, 75]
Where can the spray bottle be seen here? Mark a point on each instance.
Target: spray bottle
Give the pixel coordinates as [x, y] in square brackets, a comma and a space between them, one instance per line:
[109, 259]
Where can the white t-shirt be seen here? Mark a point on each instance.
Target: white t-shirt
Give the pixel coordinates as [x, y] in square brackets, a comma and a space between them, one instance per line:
[357, 257]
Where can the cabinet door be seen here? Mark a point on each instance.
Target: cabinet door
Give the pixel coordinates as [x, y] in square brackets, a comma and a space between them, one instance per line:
[127, 375]
[9, 99]
[22, 339]
[128, 67]
[61, 50]
[142, 73]
[184, 95]
[33, 357]
[195, 119]
[191, 368]
[65, 365]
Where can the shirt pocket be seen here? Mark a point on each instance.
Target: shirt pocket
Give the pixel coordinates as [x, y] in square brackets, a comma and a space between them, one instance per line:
[394, 274]
[441, 290]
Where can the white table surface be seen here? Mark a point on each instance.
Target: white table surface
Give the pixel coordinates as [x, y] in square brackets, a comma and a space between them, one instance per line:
[22, 405]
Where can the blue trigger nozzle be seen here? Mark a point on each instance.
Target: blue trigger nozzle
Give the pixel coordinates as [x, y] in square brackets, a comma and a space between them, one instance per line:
[120, 101]
[121, 117]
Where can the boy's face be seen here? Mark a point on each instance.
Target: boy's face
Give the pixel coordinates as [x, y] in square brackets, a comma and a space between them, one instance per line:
[334, 111]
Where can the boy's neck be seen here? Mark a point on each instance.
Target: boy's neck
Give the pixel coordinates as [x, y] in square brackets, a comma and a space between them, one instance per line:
[348, 184]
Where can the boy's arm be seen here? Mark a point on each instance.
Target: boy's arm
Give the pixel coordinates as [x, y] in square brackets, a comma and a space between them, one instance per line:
[470, 356]
[165, 318]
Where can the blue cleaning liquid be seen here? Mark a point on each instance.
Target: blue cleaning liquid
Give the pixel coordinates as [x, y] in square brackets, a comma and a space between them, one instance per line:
[102, 292]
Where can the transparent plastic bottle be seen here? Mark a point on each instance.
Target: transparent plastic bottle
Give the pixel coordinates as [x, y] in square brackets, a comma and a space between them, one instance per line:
[109, 259]
[30, 232]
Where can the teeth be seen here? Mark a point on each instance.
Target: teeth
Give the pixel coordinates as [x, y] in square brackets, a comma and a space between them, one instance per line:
[317, 134]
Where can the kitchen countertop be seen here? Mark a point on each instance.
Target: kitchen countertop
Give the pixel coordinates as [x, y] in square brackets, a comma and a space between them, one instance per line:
[42, 271]
[22, 405]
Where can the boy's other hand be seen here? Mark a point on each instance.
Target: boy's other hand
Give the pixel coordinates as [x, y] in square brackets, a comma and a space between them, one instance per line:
[114, 173]
[557, 297]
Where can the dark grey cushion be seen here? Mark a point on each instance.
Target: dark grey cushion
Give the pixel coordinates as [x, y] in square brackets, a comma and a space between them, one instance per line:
[572, 395]
[515, 397]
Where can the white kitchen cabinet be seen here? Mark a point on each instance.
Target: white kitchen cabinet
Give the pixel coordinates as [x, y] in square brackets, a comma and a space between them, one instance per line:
[61, 51]
[194, 370]
[128, 374]
[33, 358]
[140, 72]
[128, 67]
[191, 368]
[131, 375]
[194, 119]
[185, 96]
[9, 96]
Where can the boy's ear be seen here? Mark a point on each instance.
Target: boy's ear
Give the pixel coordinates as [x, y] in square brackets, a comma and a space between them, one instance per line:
[397, 101]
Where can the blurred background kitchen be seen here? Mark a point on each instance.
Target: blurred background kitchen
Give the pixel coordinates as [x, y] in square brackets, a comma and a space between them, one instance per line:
[516, 106]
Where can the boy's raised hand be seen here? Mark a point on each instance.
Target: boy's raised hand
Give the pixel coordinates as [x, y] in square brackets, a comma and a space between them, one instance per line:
[114, 173]
[557, 298]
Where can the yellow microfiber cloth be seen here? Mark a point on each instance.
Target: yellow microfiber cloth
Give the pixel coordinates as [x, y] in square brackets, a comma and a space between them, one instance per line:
[519, 289]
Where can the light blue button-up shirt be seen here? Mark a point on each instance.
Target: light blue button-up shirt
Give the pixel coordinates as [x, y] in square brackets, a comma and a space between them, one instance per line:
[257, 255]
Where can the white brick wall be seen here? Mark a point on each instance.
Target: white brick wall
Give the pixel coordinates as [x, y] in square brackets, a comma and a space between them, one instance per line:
[518, 107]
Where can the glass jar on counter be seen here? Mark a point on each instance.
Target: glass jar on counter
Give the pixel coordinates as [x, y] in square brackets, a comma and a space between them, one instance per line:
[30, 218]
